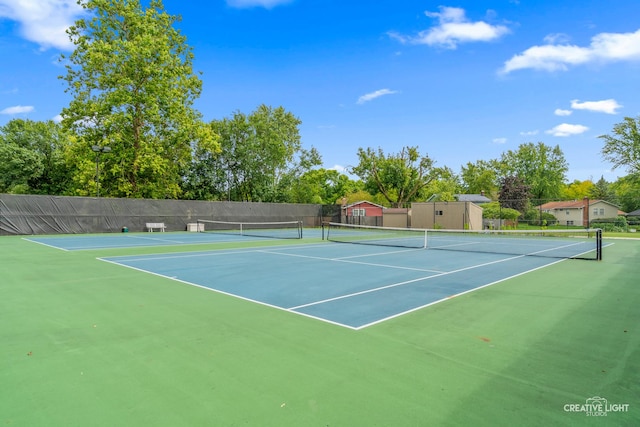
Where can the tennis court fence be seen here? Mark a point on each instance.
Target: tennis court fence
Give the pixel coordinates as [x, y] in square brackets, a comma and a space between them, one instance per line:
[39, 214]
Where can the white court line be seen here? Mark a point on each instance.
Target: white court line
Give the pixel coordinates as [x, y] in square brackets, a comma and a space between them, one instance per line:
[211, 252]
[375, 322]
[227, 293]
[382, 253]
[404, 283]
[155, 239]
[44, 244]
[350, 262]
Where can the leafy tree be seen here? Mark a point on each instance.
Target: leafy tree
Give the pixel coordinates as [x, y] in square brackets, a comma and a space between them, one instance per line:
[514, 193]
[601, 191]
[31, 157]
[398, 177]
[261, 158]
[541, 167]
[622, 148]
[577, 190]
[323, 186]
[479, 177]
[363, 195]
[444, 187]
[627, 191]
[133, 88]
[290, 177]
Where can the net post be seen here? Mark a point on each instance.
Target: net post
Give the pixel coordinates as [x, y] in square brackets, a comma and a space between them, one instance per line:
[599, 244]
[425, 239]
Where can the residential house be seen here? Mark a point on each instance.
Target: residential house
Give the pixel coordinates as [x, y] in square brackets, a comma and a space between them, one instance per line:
[363, 212]
[580, 212]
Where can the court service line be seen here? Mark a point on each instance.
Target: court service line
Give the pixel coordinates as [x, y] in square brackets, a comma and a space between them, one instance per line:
[375, 322]
[156, 239]
[380, 253]
[45, 244]
[393, 285]
[219, 291]
[347, 261]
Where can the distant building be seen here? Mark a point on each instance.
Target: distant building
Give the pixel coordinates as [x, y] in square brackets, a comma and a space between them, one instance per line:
[448, 215]
[363, 212]
[478, 199]
[576, 212]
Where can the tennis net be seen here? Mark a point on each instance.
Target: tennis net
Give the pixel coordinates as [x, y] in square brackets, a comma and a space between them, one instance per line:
[275, 230]
[563, 243]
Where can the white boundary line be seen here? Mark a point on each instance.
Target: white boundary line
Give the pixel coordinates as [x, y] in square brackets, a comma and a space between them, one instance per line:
[372, 264]
[406, 282]
[294, 309]
[227, 293]
[44, 244]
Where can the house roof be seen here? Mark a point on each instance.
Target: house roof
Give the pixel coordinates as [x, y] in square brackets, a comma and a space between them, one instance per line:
[634, 213]
[572, 204]
[566, 204]
[473, 198]
[364, 201]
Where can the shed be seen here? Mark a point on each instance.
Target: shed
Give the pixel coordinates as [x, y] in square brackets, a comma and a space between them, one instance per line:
[447, 215]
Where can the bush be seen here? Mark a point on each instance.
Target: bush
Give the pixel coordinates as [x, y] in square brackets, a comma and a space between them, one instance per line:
[618, 224]
[537, 218]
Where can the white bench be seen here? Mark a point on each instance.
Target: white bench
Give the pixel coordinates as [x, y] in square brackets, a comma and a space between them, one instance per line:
[153, 225]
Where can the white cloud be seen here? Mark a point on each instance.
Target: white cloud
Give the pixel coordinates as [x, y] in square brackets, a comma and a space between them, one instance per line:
[561, 112]
[57, 118]
[453, 28]
[566, 129]
[604, 47]
[18, 109]
[373, 95]
[608, 106]
[499, 140]
[267, 4]
[43, 21]
[556, 38]
[529, 133]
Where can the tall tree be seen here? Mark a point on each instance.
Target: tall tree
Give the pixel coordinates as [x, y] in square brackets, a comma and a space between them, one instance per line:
[577, 190]
[514, 193]
[622, 148]
[479, 177]
[541, 167]
[601, 191]
[444, 187]
[133, 89]
[399, 177]
[261, 158]
[627, 191]
[32, 157]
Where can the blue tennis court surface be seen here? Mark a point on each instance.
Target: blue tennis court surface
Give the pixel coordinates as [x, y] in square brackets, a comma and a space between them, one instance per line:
[132, 240]
[349, 285]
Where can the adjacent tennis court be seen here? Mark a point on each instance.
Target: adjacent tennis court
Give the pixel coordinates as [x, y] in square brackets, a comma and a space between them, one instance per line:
[232, 329]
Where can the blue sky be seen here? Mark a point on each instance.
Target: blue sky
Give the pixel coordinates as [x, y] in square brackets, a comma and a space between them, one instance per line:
[464, 80]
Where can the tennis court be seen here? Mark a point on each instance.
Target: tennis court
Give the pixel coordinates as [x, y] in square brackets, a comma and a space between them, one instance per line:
[215, 329]
[349, 286]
